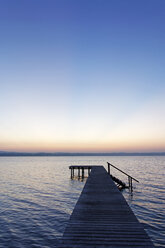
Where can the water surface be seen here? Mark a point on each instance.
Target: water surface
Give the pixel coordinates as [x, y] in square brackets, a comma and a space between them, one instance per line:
[37, 196]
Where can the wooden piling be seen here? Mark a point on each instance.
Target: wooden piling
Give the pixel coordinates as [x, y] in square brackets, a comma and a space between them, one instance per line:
[88, 171]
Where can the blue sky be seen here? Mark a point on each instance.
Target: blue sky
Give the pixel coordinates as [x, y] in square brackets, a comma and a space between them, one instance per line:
[82, 75]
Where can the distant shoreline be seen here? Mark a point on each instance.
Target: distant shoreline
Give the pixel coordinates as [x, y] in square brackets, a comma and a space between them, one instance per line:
[64, 154]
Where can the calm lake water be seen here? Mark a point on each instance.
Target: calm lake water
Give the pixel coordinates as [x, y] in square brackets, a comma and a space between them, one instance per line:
[37, 197]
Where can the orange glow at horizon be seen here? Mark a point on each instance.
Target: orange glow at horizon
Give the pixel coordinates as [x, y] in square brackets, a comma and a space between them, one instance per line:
[85, 147]
[141, 131]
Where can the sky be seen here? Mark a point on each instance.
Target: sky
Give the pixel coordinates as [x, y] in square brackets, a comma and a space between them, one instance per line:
[82, 75]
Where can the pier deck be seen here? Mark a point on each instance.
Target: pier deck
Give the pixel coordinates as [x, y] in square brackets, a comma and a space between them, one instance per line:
[102, 218]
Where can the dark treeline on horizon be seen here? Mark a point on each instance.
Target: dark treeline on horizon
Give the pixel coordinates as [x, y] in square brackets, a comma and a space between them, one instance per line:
[6, 153]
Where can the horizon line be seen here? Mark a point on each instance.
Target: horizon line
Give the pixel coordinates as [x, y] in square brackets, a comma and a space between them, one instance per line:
[18, 153]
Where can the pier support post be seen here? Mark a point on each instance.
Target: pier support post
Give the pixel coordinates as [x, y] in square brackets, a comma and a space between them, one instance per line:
[82, 172]
[71, 173]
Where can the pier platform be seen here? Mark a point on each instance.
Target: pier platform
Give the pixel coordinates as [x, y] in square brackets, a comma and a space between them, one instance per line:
[102, 218]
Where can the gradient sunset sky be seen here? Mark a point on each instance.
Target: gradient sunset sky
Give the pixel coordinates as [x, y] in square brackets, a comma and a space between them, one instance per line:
[82, 75]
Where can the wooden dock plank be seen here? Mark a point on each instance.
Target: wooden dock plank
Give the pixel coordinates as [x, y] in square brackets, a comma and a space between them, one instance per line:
[102, 218]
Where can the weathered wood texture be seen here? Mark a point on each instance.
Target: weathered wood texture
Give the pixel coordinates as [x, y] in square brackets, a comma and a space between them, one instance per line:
[102, 217]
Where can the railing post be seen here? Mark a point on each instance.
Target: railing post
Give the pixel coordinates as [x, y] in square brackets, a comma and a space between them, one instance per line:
[109, 168]
[131, 185]
[129, 181]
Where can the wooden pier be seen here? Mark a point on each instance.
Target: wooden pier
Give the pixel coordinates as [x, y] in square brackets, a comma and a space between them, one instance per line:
[102, 218]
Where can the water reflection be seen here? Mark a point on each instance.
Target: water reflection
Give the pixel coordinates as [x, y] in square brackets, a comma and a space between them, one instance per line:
[38, 196]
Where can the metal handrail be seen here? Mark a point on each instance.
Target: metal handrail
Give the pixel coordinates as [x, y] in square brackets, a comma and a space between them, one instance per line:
[122, 172]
